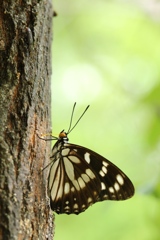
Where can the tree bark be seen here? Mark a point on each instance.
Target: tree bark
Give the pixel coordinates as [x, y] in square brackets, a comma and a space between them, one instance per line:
[25, 47]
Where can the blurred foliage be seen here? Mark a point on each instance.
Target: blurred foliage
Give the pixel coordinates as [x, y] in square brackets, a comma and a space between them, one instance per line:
[107, 54]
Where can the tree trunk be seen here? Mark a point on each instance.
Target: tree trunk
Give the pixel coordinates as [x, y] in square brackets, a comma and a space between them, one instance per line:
[25, 46]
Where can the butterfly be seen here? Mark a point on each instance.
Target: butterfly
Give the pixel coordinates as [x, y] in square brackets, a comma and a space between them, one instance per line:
[79, 177]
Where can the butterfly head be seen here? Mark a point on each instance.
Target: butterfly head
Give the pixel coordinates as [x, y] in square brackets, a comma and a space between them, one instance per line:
[63, 136]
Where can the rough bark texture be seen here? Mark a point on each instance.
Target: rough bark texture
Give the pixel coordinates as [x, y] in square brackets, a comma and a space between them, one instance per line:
[25, 46]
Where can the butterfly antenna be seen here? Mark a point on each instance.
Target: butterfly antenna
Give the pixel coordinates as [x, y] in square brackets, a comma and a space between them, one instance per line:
[71, 117]
[70, 129]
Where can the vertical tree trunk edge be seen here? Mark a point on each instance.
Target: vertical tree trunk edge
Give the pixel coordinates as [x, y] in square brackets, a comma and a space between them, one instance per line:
[25, 107]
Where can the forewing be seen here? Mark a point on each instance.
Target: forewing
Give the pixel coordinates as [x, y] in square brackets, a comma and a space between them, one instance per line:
[115, 185]
[80, 177]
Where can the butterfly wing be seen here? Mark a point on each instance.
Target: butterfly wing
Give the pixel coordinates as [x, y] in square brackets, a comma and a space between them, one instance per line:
[80, 177]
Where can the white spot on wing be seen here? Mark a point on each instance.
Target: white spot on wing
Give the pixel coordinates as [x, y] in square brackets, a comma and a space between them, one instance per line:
[89, 200]
[66, 188]
[81, 182]
[69, 169]
[85, 177]
[67, 208]
[65, 152]
[105, 163]
[90, 173]
[75, 206]
[105, 196]
[111, 189]
[101, 173]
[104, 169]
[66, 145]
[116, 186]
[76, 185]
[74, 159]
[55, 182]
[95, 193]
[87, 157]
[103, 187]
[52, 174]
[120, 179]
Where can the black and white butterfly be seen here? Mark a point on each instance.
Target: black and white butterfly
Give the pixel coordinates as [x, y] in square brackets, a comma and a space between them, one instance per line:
[79, 177]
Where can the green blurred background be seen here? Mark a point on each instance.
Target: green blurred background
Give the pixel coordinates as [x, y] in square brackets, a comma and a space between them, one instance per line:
[107, 54]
